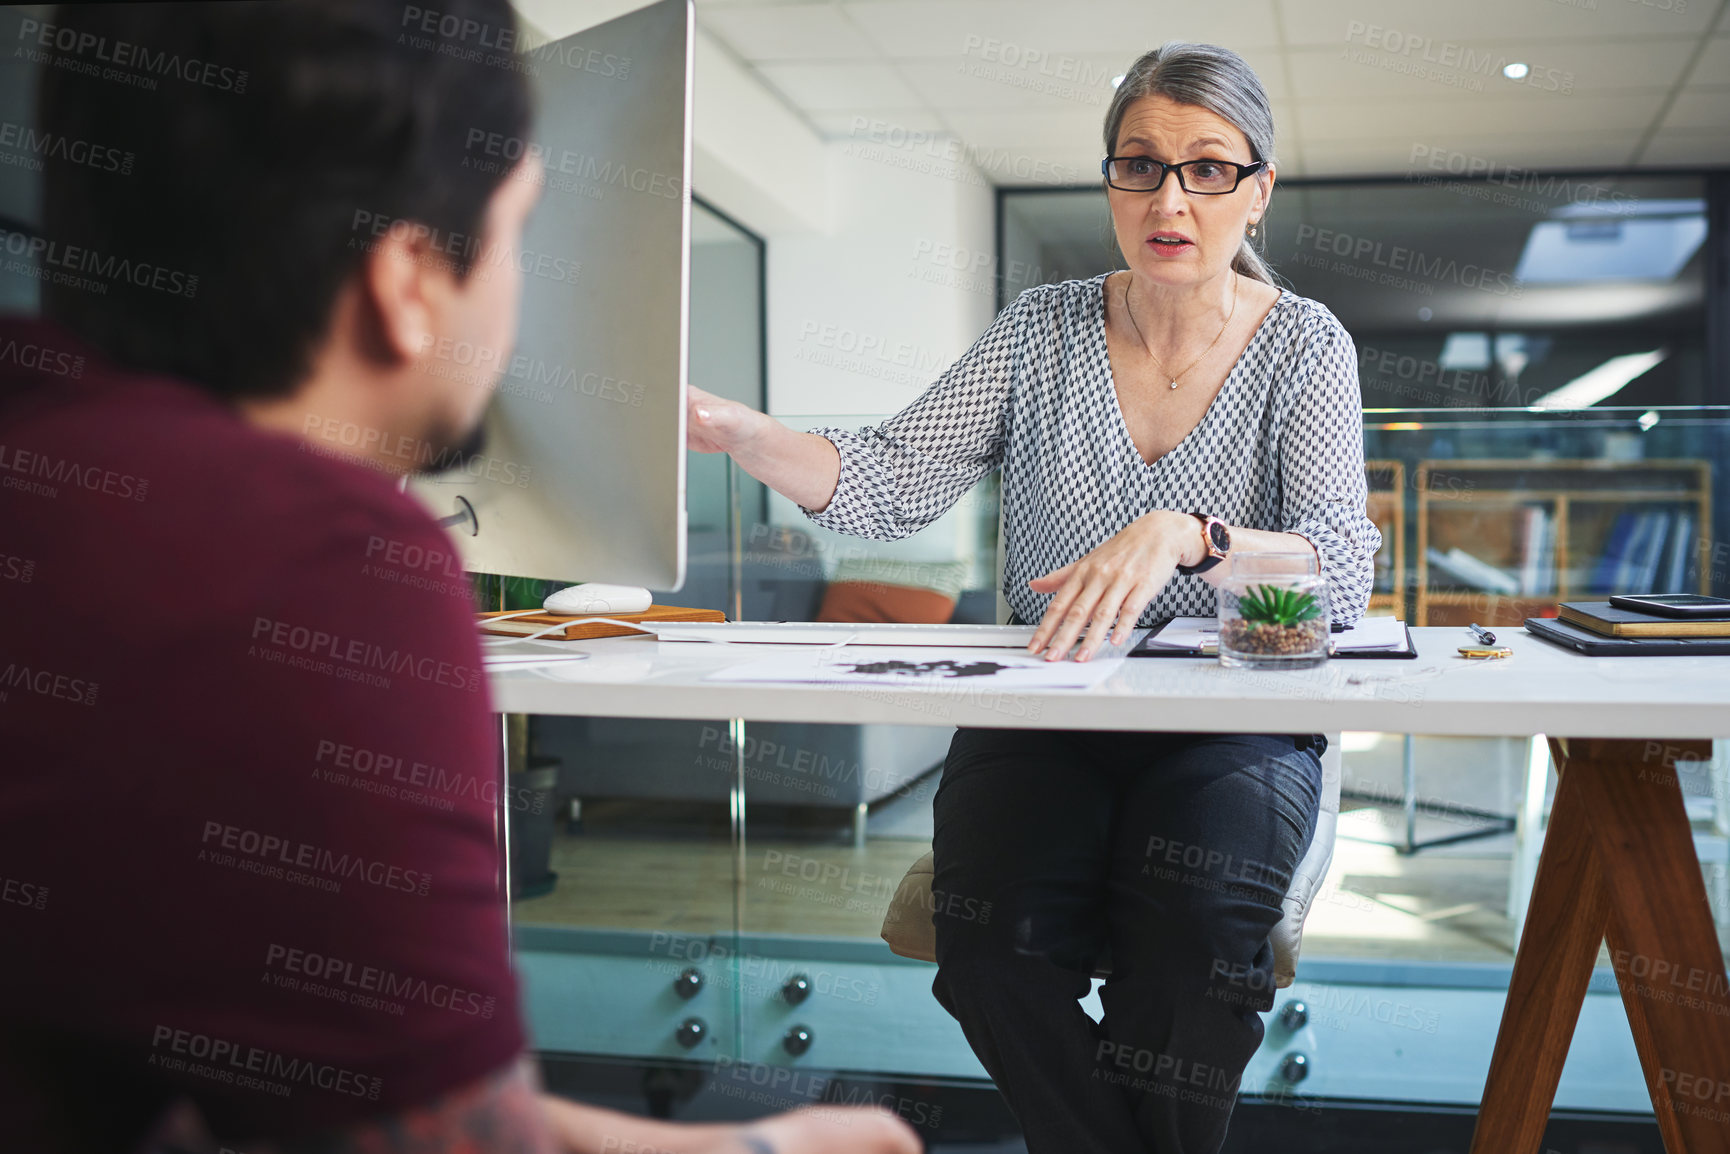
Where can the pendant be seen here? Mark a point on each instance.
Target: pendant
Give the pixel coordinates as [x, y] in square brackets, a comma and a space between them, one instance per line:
[1174, 384]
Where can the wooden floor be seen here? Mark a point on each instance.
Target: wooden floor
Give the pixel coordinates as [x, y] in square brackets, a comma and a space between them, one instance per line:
[642, 870]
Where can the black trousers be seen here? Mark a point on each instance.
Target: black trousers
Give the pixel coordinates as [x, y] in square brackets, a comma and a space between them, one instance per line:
[1162, 856]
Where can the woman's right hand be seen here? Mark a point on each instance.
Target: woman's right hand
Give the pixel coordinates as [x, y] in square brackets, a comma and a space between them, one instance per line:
[728, 426]
[803, 467]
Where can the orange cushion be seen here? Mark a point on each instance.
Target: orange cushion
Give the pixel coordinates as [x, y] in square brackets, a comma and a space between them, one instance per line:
[879, 601]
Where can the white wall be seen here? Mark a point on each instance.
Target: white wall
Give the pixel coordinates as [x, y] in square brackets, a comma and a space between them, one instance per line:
[879, 252]
[865, 315]
[864, 234]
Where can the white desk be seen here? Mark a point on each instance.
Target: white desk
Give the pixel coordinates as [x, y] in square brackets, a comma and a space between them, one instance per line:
[1619, 859]
[1541, 689]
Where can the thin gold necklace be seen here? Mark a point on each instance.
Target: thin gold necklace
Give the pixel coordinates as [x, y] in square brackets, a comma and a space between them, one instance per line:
[1174, 376]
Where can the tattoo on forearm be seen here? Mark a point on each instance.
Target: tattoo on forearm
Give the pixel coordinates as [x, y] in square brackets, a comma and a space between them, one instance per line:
[501, 1114]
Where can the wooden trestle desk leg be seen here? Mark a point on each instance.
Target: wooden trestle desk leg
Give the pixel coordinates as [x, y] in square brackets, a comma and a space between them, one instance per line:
[1618, 863]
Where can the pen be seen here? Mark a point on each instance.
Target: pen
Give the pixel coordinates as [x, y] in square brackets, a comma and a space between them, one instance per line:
[1484, 635]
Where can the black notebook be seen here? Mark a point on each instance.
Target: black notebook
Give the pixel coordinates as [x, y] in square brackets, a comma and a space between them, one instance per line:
[1592, 644]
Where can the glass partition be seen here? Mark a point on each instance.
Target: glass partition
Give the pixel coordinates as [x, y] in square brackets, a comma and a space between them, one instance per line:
[1506, 512]
[756, 861]
[1521, 450]
[1421, 911]
[626, 847]
[1561, 291]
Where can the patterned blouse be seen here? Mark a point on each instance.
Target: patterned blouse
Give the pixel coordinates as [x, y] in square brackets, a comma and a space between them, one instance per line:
[1281, 448]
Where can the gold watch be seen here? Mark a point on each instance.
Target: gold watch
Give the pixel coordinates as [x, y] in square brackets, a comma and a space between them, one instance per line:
[1215, 538]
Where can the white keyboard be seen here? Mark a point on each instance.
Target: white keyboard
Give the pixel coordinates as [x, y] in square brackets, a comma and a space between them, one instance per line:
[841, 632]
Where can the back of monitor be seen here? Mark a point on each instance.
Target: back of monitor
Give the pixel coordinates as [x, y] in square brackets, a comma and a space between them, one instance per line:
[582, 477]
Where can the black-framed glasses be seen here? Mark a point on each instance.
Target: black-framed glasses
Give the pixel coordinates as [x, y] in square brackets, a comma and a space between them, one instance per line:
[1204, 177]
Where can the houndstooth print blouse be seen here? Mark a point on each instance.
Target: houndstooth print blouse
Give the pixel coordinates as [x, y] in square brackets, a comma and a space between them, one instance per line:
[1280, 448]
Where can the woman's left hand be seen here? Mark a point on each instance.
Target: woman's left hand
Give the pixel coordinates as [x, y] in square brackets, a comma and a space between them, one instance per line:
[1113, 583]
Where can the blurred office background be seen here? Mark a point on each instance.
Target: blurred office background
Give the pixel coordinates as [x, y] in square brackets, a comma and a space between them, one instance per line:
[1519, 210]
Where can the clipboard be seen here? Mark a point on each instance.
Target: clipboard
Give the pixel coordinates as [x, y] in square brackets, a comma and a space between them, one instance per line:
[1143, 648]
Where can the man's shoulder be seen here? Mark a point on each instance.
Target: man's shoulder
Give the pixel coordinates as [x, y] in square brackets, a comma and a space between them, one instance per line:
[189, 455]
[178, 496]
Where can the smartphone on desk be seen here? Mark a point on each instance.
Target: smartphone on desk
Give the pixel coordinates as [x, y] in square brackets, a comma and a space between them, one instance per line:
[1673, 604]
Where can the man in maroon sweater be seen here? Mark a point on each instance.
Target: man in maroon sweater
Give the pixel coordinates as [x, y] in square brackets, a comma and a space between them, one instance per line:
[227, 640]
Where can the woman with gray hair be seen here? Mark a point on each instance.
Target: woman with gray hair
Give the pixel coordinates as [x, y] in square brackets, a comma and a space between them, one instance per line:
[1148, 422]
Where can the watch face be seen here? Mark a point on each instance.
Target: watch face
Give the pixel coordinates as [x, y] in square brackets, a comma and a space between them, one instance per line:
[1217, 534]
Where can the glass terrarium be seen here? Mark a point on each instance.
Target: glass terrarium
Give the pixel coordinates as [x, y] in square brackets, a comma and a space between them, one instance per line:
[1273, 612]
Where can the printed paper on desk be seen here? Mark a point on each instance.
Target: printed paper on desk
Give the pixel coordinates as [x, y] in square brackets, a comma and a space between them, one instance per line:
[895, 667]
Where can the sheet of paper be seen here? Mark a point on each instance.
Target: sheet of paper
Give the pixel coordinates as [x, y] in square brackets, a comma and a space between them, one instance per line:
[1187, 633]
[958, 668]
[1369, 633]
[1373, 633]
[528, 654]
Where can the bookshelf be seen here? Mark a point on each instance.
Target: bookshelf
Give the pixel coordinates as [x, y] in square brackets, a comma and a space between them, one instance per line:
[1553, 530]
[1387, 508]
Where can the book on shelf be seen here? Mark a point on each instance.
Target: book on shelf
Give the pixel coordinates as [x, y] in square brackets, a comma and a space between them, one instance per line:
[1646, 550]
[1538, 561]
[1462, 568]
[1610, 560]
[1646, 569]
[1675, 574]
[1603, 618]
[1628, 564]
[1547, 564]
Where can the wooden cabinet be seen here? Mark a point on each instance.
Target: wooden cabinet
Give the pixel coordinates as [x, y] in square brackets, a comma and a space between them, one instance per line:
[1387, 508]
[1557, 530]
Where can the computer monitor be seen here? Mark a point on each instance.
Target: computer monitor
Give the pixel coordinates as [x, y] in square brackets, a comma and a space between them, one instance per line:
[582, 476]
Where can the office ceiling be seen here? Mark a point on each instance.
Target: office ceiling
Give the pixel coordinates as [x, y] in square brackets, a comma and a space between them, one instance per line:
[1359, 87]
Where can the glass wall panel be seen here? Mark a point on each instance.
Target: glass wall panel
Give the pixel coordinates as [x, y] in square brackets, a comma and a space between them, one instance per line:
[1461, 293]
[627, 852]
[1534, 433]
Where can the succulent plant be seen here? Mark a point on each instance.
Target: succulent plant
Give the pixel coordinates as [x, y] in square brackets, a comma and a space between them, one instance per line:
[1271, 605]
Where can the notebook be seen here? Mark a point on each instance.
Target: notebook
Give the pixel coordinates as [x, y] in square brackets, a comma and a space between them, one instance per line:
[1571, 636]
[1605, 618]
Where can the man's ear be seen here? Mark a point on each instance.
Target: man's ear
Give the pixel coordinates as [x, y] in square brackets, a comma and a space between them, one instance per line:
[399, 291]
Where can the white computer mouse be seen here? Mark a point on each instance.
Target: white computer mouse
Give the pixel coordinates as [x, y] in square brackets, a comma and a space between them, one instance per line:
[595, 597]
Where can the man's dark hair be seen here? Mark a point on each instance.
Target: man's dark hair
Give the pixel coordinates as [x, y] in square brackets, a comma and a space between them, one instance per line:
[269, 141]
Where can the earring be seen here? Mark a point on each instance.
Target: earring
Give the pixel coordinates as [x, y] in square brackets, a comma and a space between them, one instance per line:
[1252, 230]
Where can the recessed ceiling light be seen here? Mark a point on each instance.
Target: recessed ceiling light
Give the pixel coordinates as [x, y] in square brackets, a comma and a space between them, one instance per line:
[1653, 244]
[1515, 71]
[1116, 80]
